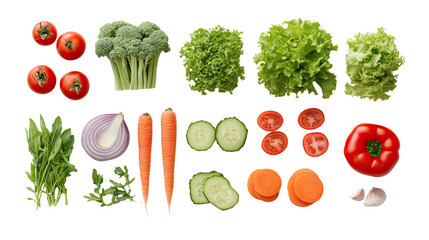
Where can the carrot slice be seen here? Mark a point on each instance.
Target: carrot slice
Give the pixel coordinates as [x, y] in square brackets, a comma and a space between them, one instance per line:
[308, 187]
[267, 182]
[290, 187]
[251, 184]
[267, 199]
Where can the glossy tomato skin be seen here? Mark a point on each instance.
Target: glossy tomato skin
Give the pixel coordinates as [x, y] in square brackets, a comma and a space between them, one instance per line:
[270, 120]
[274, 143]
[315, 139]
[311, 118]
[71, 45]
[74, 85]
[362, 159]
[44, 33]
[41, 79]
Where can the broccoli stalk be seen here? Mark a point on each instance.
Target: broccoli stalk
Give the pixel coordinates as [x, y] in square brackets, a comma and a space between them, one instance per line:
[133, 52]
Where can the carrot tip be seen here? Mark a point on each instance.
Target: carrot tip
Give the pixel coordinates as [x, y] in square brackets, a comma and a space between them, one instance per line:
[168, 109]
[146, 114]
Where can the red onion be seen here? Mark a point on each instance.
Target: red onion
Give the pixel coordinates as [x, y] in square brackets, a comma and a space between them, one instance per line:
[106, 137]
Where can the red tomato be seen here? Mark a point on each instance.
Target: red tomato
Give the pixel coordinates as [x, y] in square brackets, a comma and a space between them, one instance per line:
[274, 143]
[315, 144]
[44, 33]
[74, 85]
[41, 79]
[71, 45]
[270, 120]
[311, 118]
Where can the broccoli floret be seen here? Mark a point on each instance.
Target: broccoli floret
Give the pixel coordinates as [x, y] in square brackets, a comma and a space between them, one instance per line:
[109, 29]
[103, 48]
[147, 28]
[129, 31]
[160, 40]
[133, 52]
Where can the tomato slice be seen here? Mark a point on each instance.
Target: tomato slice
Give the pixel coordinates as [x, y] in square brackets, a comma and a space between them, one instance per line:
[315, 144]
[270, 120]
[274, 143]
[311, 118]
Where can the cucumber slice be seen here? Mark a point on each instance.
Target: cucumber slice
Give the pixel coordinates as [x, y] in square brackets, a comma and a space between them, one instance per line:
[219, 192]
[231, 134]
[196, 185]
[200, 135]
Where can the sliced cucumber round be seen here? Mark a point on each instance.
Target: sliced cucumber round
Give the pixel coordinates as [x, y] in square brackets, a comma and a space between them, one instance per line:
[200, 135]
[196, 185]
[219, 192]
[231, 134]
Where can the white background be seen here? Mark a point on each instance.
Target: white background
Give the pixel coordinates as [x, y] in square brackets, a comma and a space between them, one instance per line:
[335, 216]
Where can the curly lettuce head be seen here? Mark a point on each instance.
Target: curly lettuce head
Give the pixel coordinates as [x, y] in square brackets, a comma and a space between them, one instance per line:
[212, 59]
[371, 61]
[294, 57]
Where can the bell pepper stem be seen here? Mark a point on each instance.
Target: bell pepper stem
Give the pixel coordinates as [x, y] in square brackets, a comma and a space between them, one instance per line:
[374, 148]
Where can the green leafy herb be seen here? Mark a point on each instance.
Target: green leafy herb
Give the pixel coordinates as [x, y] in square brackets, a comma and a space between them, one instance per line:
[119, 192]
[212, 59]
[51, 161]
[371, 61]
[292, 59]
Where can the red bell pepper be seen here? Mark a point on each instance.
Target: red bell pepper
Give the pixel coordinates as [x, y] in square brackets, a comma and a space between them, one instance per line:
[372, 149]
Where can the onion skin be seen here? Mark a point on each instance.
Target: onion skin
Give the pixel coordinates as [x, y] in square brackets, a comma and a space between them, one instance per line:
[92, 133]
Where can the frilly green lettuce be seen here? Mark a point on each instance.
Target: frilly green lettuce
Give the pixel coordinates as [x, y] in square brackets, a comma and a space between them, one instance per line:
[293, 58]
[371, 61]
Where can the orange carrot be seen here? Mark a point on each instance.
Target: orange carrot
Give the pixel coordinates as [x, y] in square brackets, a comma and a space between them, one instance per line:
[145, 150]
[168, 144]
[267, 199]
[308, 187]
[290, 187]
[267, 182]
[251, 184]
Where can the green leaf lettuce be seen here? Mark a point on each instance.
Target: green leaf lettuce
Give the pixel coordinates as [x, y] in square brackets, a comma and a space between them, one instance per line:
[371, 61]
[294, 57]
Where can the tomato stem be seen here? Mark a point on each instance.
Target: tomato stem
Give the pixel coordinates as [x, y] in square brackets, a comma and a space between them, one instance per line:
[69, 44]
[44, 31]
[374, 148]
[41, 76]
[76, 86]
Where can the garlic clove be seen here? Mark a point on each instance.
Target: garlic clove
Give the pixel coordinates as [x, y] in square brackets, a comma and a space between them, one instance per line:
[376, 197]
[358, 195]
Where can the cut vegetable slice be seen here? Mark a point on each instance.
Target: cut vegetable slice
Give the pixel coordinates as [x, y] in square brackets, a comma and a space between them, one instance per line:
[311, 118]
[196, 185]
[267, 182]
[200, 135]
[315, 144]
[290, 187]
[274, 143]
[267, 199]
[219, 192]
[231, 134]
[251, 184]
[270, 120]
[308, 187]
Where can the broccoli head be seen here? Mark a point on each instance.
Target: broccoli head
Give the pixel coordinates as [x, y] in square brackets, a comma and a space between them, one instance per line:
[133, 52]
